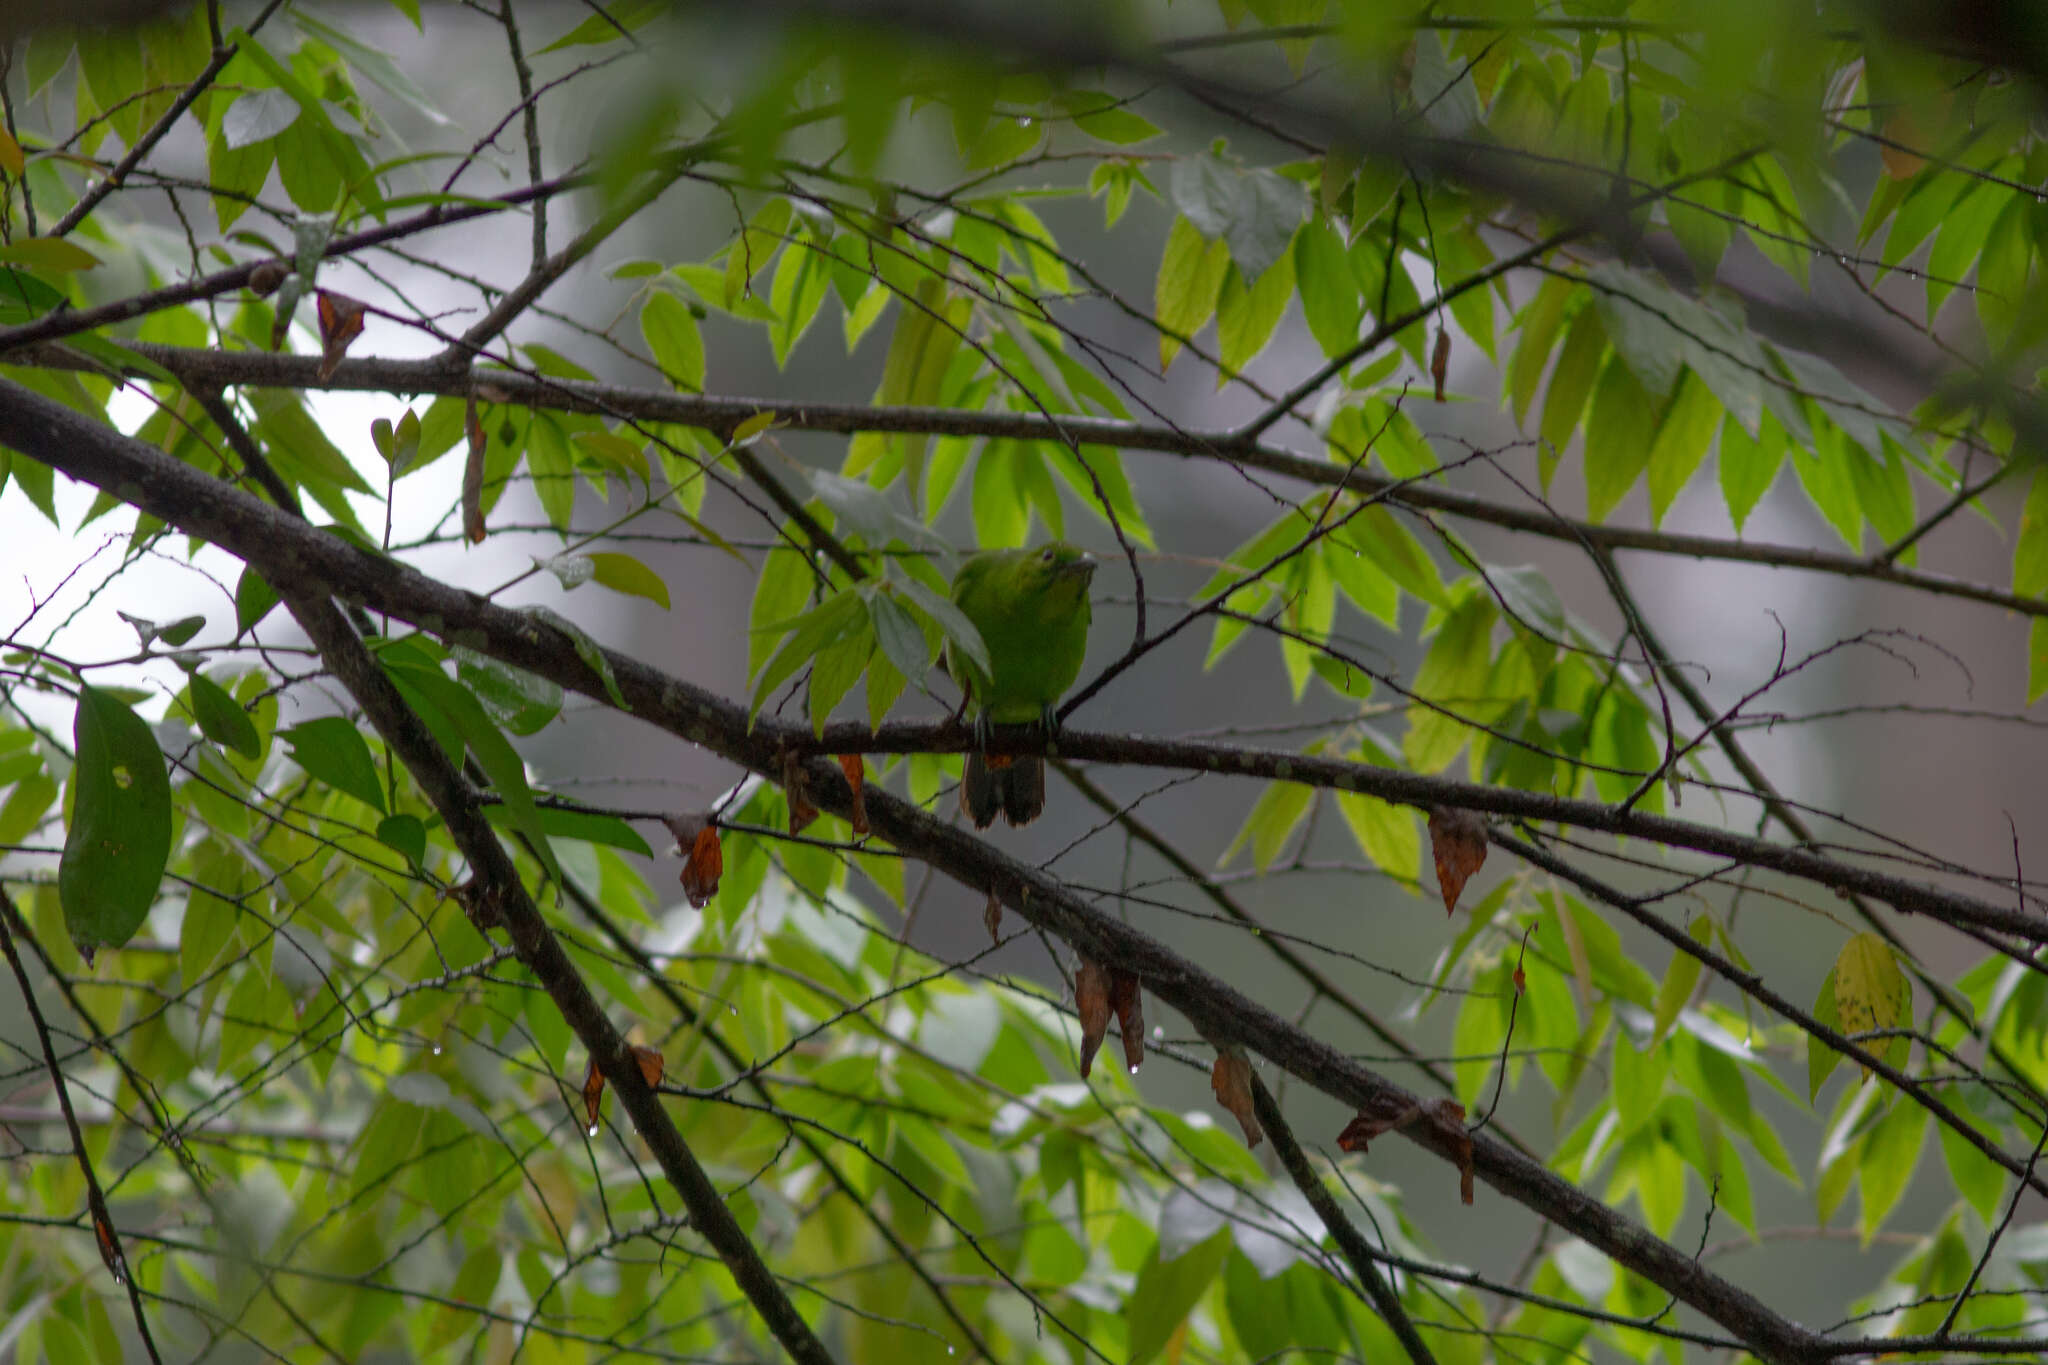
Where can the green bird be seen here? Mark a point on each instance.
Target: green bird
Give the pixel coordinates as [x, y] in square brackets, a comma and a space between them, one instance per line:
[1031, 607]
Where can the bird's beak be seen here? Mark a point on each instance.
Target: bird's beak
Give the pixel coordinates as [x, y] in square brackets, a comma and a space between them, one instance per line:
[1084, 567]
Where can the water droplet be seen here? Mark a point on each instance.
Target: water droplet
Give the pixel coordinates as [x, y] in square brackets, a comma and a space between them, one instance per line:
[1134, 1068]
[1158, 1031]
[437, 1049]
[1023, 121]
[591, 1131]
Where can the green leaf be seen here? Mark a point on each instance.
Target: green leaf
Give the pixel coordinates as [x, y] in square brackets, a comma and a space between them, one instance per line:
[119, 836]
[1454, 674]
[407, 834]
[222, 719]
[1166, 1292]
[522, 702]
[1191, 272]
[1281, 807]
[1245, 318]
[625, 574]
[1577, 367]
[1387, 833]
[54, 254]
[1885, 1168]
[1749, 466]
[2030, 550]
[1617, 438]
[1329, 292]
[332, 751]
[806, 636]
[587, 649]
[1683, 435]
[553, 468]
[1254, 212]
[1821, 1060]
[673, 339]
[1638, 1080]
[1679, 979]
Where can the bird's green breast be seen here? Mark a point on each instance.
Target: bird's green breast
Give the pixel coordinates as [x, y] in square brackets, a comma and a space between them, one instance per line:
[1035, 629]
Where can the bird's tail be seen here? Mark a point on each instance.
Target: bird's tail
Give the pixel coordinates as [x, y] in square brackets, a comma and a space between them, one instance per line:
[1015, 786]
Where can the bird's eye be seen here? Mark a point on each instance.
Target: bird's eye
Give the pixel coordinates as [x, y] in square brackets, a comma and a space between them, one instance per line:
[1046, 555]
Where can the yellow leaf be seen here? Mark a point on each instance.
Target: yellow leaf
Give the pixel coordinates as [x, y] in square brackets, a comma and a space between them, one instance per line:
[11, 159]
[1869, 990]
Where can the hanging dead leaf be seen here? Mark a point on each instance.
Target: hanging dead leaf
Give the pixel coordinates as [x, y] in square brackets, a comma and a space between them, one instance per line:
[855, 771]
[796, 789]
[652, 1064]
[1457, 842]
[473, 475]
[1231, 1079]
[703, 855]
[992, 916]
[110, 1246]
[1521, 981]
[1446, 1116]
[593, 1093]
[341, 322]
[1449, 1118]
[1440, 359]
[1129, 1003]
[1091, 998]
[1364, 1126]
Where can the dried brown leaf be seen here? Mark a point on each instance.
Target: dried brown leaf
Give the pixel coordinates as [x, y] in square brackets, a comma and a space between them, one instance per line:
[1449, 1118]
[1364, 1127]
[1129, 1003]
[992, 916]
[796, 788]
[593, 1093]
[1231, 1079]
[1091, 999]
[341, 322]
[652, 1063]
[1440, 359]
[1457, 842]
[855, 771]
[704, 857]
[110, 1246]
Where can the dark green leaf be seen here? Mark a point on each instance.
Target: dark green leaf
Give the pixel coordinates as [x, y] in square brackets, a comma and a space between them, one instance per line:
[222, 719]
[333, 751]
[119, 837]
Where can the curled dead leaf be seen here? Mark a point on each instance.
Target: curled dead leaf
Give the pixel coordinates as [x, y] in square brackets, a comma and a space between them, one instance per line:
[992, 916]
[110, 1247]
[1445, 1115]
[855, 771]
[1091, 999]
[1457, 843]
[652, 1064]
[593, 1093]
[703, 855]
[473, 475]
[1231, 1079]
[341, 322]
[1129, 1004]
[796, 788]
[1440, 359]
